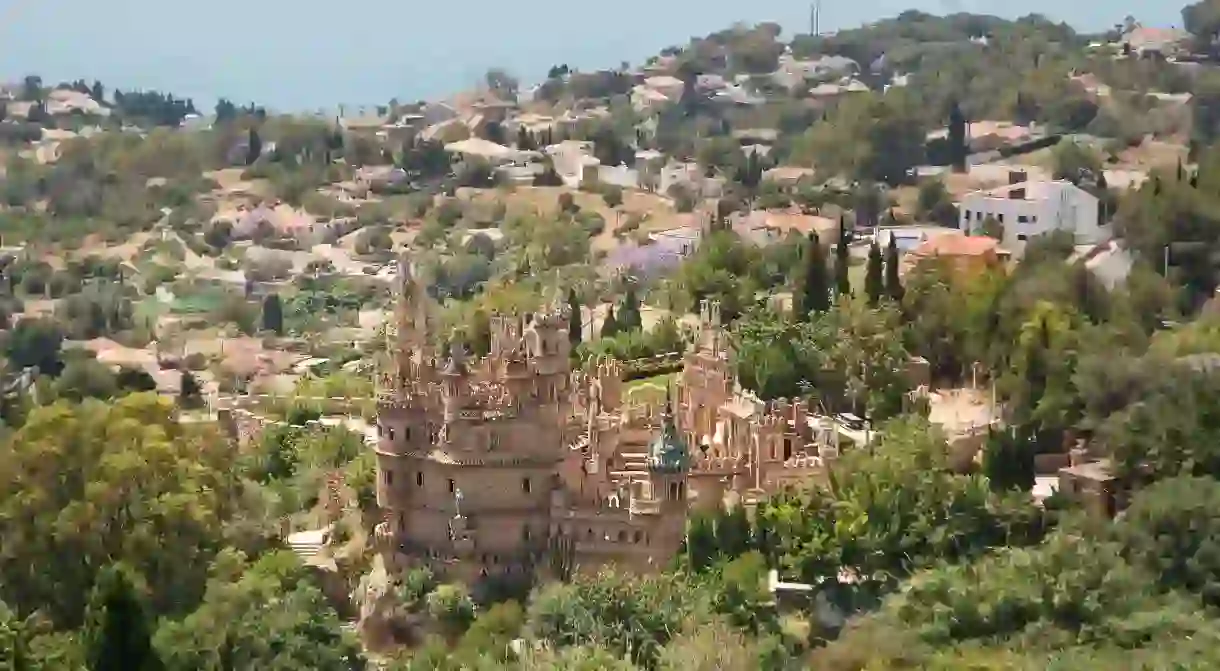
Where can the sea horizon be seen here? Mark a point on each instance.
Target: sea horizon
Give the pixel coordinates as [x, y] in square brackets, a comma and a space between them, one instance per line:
[298, 60]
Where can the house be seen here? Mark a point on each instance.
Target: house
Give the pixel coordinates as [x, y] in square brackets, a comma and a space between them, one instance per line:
[965, 254]
[1109, 262]
[670, 87]
[644, 99]
[1154, 42]
[478, 148]
[1026, 209]
[763, 227]
[437, 113]
[787, 176]
[574, 161]
[689, 176]
[1092, 484]
[68, 101]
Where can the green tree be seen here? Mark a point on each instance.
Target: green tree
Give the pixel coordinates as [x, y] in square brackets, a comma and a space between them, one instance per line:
[190, 394]
[169, 488]
[261, 615]
[610, 327]
[958, 148]
[118, 631]
[814, 291]
[273, 314]
[893, 283]
[1008, 461]
[575, 319]
[629, 318]
[1172, 528]
[254, 146]
[843, 261]
[612, 196]
[1076, 162]
[37, 343]
[874, 281]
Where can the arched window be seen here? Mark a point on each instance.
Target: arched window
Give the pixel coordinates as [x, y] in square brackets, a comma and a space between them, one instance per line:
[639, 536]
[419, 479]
[525, 485]
[673, 491]
[622, 536]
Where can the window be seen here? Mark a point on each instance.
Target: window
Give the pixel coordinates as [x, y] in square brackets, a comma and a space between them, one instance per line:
[452, 486]
[389, 476]
[406, 433]
[419, 479]
[525, 485]
[1022, 237]
[1022, 219]
[639, 536]
[999, 218]
[493, 441]
[389, 430]
[525, 533]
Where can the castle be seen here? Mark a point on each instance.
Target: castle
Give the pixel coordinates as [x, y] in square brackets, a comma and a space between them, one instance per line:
[497, 467]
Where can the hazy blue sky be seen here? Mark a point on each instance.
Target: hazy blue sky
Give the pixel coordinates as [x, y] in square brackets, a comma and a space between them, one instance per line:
[309, 53]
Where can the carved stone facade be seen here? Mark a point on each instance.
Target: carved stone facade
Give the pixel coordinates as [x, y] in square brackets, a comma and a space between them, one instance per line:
[494, 469]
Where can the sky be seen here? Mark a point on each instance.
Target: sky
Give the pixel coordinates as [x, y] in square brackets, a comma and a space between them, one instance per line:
[309, 54]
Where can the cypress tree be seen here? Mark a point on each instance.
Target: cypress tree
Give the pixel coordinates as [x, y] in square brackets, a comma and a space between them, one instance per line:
[575, 319]
[629, 317]
[254, 146]
[815, 295]
[273, 314]
[874, 280]
[118, 634]
[733, 532]
[842, 261]
[701, 548]
[609, 324]
[957, 138]
[893, 285]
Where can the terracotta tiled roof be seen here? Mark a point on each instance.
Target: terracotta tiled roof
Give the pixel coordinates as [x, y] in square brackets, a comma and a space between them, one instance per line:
[952, 244]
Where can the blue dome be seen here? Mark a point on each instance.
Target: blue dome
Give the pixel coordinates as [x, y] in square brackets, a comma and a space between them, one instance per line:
[667, 452]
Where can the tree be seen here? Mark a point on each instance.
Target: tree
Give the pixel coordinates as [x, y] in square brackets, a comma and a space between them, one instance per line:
[254, 146]
[36, 343]
[190, 395]
[629, 318]
[261, 615]
[169, 488]
[814, 292]
[612, 196]
[958, 148]
[1172, 528]
[992, 228]
[1008, 461]
[610, 327]
[874, 282]
[118, 631]
[842, 261]
[1075, 162]
[575, 319]
[936, 204]
[273, 314]
[893, 284]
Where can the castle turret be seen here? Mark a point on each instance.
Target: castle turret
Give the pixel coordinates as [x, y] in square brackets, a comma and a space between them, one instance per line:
[453, 383]
[669, 461]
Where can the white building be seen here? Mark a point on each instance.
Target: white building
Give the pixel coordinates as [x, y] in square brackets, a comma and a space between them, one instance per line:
[1026, 209]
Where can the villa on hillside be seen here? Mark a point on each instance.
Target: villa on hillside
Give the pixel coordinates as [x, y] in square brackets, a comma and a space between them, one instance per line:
[1026, 209]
